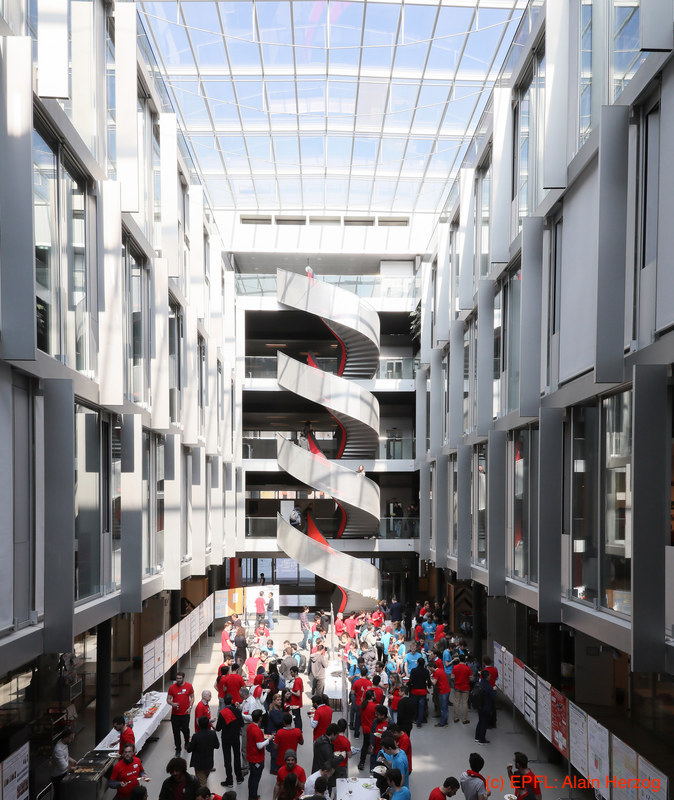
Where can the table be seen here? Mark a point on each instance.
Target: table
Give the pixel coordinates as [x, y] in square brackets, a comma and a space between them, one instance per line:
[333, 679]
[143, 727]
[356, 789]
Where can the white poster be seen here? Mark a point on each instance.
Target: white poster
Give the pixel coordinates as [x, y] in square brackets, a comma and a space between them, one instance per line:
[598, 756]
[498, 663]
[251, 593]
[15, 770]
[624, 772]
[148, 665]
[578, 739]
[530, 697]
[221, 603]
[194, 627]
[518, 684]
[183, 637]
[652, 782]
[210, 608]
[202, 623]
[543, 708]
[508, 674]
[159, 657]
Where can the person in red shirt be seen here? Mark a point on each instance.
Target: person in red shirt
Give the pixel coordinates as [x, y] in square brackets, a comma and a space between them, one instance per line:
[233, 683]
[180, 698]
[491, 669]
[449, 788]
[339, 624]
[359, 687]
[290, 765]
[367, 713]
[260, 608]
[126, 734]
[322, 715]
[522, 779]
[203, 709]
[403, 741]
[462, 675]
[256, 742]
[350, 625]
[378, 691]
[342, 745]
[126, 773]
[226, 641]
[439, 632]
[287, 738]
[296, 696]
[204, 793]
[377, 618]
[379, 725]
[439, 679]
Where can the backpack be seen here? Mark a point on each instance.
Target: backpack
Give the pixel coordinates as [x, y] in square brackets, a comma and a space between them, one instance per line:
[303, 663]
[477, 697]
[295, 517]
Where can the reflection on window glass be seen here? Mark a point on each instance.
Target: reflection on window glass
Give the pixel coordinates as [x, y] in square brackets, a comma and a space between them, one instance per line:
[45, 211]
[146, 534]
[626, 55]
[585, 72]
[116, 496]
[498, 345]
[616, 582]
[584, 565]
[480, 505]
[87, 503]
[524, 510]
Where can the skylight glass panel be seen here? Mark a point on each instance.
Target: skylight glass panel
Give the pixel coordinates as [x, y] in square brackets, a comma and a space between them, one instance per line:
[379, 36]
[414, 39]
[221, 101]
[244, 192]
[416, 156]
[313, 190]
[259, 153]
[460, 109]
[218, 191]
[431, 105]
[290, 193]
[346, 22]
[339, 151]
[252, 106]
[429, 195]
[237, 23]
[406, 195]
[233, 150]
[341, 100]
[371, 105]
[191, 103]
[168, 30]
[309, 18]
[365, 151]
[360, 190]
[312, 151]
[336, 194]
[286, 154]
[453, 24]
[207, 153]
[275, 28]
[282, 103]
[204, 32]
[384, 192]
[484, 41]
[401, 105]
[443, 158]
[265, 189]
[311, 98]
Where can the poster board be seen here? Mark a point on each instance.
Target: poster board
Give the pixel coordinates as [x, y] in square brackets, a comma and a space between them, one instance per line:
[167, 651]
[159, 657]
[202, 623]
[221, 599]
[148, 666]
[194, 627]
[578, 738]
[530, 697]
[14, 770]
[508, 674]
[653, 784]
[598, 755]
[183, 636]
[175, 643]
[559, 721]
[518, 684]
[252, 592]
[543, 708]
[498, 663]
[624, 770]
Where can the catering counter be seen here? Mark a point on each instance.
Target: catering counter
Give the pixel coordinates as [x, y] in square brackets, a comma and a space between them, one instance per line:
[156, 708]
[89, 779]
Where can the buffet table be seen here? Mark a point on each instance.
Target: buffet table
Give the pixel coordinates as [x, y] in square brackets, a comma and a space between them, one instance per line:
[143, 727]
[356, 789]
[89, 779]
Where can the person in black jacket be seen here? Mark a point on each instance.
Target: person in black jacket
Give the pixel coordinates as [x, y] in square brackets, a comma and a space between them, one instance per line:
[405, 719]
[202, 745]
[230, 723]
[179, 780]
[419, 683]
[324, 752]
[485, 708]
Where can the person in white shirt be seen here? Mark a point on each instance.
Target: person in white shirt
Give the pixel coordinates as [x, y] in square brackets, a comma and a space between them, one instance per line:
[61, 762]
[326, 771]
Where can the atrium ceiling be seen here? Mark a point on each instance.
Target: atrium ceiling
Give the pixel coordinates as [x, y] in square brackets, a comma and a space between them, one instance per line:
[329, 107]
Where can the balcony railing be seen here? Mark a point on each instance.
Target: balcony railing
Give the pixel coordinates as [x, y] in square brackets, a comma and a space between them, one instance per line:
[389, 527]
[402, 448]
[389, 368]
[373, 286]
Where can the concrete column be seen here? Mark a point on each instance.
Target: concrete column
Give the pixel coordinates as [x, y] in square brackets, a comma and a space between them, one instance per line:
[478, 632]
[174, 619]
[103, 674]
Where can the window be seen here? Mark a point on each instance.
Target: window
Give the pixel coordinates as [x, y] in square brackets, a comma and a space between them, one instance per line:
[201, 384]
[470, 376]
[528, 130]
[523, 507]
[507, 308]
[87, 503]
[156, 186]
[625, 52]
[454, 265]
[498, 350]
[83, 50]
[479, 502]
[584, 528]
[650, 170]
[116, 500]
[482, 204]
[586, 119]
[220, 403]
[111, 98]
[60, 204]
[186, 504]
[454, 508]
[137, 333]
[159, 477]
[146, 507]
[175, 360]
[554, 295]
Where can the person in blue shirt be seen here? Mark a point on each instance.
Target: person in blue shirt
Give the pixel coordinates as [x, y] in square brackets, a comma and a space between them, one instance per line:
[448, 661]
[428, 626]
[402, 649]
[385, 643]
[412, 658]
[393, 757]
[395, 781]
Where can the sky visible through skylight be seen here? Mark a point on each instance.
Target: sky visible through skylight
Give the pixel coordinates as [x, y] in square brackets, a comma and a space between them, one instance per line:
[329, 107]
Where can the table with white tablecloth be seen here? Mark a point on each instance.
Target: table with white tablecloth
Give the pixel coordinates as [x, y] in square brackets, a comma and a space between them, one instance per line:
[143, 727]
[356, 789]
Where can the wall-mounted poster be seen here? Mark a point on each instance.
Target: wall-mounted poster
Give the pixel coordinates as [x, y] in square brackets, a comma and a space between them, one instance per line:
[624, 770]
[14, 770]
[508, 674]
[578, 738]
[653, 784]
[543, 709]
[167, 651]
[560, 721]
[158, 657]
[498, 663]
[221, 603]
[598, 756]
[148, 666]
[530, 697]
[518, 684]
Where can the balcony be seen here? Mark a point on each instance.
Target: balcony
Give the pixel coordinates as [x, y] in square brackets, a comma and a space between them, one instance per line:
[389, 527]
[367, 286]
[395, 369]
[388, 448]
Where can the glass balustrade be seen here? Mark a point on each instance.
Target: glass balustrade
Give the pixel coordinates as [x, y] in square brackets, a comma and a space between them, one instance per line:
[389, 527]
[393, 448]
[388, 369]
[373, 286]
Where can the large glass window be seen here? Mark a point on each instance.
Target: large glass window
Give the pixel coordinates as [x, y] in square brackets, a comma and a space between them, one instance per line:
[584, 529]
[479, 496]
[554, 294]
[116, 499]
[201, 384]
[650, 173]
[175, 360]
[87, 503]
[616, 542]
[146, 507]
[511, 343]
[482, 203]
[45, 213]
[523, 510]
[626, 55]
[111, 98]
[137, 327]
[585, 119]
[159, 476]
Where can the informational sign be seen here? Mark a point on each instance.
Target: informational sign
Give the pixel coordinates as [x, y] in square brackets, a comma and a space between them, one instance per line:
[148, 665]
[624, 771]
[159, 657]
[578, 739]
[167, 651]
[14, 771]
[175, 644]
[508, 674]
[498, 663]
[251, 593]
[560, 721]
[221, 603]
[598, 756]
[543, 708]
[194, 627]
[183, 636]
[530, 697]
[653, 784]
[518, 684]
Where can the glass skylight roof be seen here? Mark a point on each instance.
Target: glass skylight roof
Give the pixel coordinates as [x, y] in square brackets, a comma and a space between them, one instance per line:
[328, 106]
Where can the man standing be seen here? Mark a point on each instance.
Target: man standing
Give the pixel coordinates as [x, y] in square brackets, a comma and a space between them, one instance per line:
[202, 746]
[230, 723]
[126, 735]
[233, 682]
[319, 664]
[406, 709]
[462, 676]
[256, 741]
[126, 772]
[398, 790]
[287, 738]
[485, 707]
[324, 752]
[260, 608]
[326, 771]
[420, 681]
[181, 699]
[305, 628]
[296, 685]
[449, 788]
[522, 779]
[396, 610]
[322, 715]
[358, 688]
[394, 758]
[248, 705]
[203, 709]
[439, 679]
[473, 784]
[270, 611]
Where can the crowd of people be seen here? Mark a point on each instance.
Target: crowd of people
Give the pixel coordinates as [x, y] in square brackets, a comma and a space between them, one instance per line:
[397, 669]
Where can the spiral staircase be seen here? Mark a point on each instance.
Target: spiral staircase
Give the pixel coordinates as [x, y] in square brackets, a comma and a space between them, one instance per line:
[355, 411]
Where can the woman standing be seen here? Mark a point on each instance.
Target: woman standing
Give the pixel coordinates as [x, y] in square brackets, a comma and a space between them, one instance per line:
[240, 644]
[274, 723]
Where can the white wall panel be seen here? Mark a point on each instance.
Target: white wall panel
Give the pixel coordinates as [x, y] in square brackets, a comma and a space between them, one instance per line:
[217, 511]
[160, 345]
[190, 380]
[169, 192]
[198, 516]
[52, 48]
[466, 236]
[556, 93]
[197, 255]
[499, 231]
[111, 310]
[172, 495]
[126, 96]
